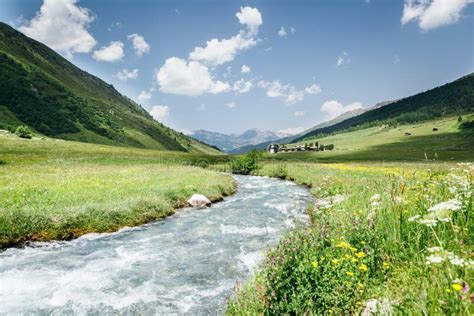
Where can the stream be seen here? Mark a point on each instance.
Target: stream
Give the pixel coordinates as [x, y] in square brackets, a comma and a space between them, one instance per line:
[188, 263]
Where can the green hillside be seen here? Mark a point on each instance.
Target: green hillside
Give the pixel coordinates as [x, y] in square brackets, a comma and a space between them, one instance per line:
[41, 89]
[452, 98]
[440, 139]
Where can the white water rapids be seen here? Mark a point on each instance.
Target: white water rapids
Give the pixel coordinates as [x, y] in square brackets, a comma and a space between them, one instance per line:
[185, 264]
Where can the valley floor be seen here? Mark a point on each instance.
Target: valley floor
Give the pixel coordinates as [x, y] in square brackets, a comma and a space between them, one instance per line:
[384, 238]
[54, 189]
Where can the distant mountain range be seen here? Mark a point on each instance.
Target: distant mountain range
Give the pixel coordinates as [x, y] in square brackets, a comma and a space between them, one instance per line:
[41, 89]
[229, 142]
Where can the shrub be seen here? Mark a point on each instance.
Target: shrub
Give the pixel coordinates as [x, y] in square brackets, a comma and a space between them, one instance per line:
[281, 172]
[246, 164]
[23, 131]
[467, 125]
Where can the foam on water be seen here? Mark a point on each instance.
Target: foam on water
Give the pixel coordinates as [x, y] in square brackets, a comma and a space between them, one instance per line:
[187, 263]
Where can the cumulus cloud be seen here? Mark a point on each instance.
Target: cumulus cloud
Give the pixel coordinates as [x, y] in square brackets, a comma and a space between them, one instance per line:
[344, 58]
[282, 32]
[63, 26]
[126, 74]
[231, 105]
[431, 14]
[299, 113]
[218, 52]
[111, 53]
[275, 89]
[242, 86]
[139, 44]
[313, 89]
[192, 77]
[144, 96]
[291, 131]
[177, 76]
[250, 17]
[245, 69]
[334, 108]
[160, 112]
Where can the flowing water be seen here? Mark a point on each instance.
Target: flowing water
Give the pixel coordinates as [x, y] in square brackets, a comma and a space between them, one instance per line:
[185, 264]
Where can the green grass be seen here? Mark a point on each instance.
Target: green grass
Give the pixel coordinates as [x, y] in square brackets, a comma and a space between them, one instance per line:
[391, 144]
[55, 189]
[365, 247]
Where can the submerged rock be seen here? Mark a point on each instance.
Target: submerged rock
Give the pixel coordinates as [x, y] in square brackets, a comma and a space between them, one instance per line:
[199, 200]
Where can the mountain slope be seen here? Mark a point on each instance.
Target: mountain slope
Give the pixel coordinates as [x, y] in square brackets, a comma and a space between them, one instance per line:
[452, 98]
[41, 89]
[229, 142]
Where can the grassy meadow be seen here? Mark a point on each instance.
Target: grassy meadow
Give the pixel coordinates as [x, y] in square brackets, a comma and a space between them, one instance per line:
[55, 189]
[384, 143]
[384, 238]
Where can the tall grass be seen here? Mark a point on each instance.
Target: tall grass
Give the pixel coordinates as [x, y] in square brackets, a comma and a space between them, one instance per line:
[381, 240]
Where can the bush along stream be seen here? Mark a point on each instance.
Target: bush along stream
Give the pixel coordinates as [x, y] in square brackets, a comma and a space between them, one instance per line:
[383, 239]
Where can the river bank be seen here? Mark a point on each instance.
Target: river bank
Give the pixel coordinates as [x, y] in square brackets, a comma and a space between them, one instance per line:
[188, 263]
[375, 228]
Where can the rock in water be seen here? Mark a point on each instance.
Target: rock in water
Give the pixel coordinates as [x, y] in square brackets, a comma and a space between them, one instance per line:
[199, 200]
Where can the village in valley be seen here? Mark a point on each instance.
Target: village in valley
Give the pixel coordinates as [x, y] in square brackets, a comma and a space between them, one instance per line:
[276, 148]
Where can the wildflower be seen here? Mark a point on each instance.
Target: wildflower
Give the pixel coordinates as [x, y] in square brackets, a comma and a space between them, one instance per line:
[457, 261]
[353, 260]
[414, 218]
[363, 268]
[398, 200]
[434, 259]
[385, 265]
[375, 204]
[335, 261]
[353, 249]
[343, 244]
[375, 197]
[360, 285]
[360, 254]
[428, 222]
[449, 290]
[315, 264]
[349, 273]
[434, 249]
[451, 205]
[457, 287]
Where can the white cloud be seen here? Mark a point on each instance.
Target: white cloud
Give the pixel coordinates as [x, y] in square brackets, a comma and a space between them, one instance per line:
[245, 69]
[299, 113]
[231, 105]
[126, 74]
[275, 89]
[139, 44]
[431, 14]
[334, 108]
[111, 53]
[292, 30]
[144, 96]
[291, 131]
[344, 58]
[242, 86]
[282, 32]
[250, 17]
[218, 52]
[313, 89]
[160, 112]
[192, 78]
[62, 25]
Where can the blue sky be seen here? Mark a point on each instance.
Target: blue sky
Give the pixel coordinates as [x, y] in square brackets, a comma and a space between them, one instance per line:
[305, 61]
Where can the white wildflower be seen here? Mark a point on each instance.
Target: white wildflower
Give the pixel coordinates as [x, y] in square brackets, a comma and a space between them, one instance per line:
[414, 218]
[434, 249]
[398, 200]
[452, 205]
[457, 261]
[434, 259]
[428, 222]
[375, 204]
[375, 197]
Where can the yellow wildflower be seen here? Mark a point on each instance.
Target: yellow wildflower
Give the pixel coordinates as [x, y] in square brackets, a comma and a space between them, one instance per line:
[358, 303]
[349, 273]
[363, 268]
[385, 265]
[315, 264]
[449, 290]
[354, 249]
[346, 256]
[360, 254]
[335, 261]
[343, 244]
[457, 287]
[353, 260]
[360, 285]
